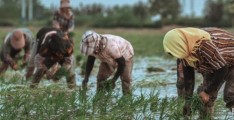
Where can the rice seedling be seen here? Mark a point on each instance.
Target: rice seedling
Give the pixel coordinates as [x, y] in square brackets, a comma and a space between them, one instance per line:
[55, 101]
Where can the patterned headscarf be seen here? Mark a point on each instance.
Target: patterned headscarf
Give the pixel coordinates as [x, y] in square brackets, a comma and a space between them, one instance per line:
[92, 42]
[182, 42]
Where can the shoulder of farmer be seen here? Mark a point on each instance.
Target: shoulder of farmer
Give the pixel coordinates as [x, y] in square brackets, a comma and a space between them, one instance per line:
[29, 38]
[6, 40]
[114, 42]
[209, 50]
[112, 47]
[207, 46]
[117, 40]
[124, 45]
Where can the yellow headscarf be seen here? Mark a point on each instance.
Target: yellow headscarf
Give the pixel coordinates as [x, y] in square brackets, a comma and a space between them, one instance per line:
[181, 42]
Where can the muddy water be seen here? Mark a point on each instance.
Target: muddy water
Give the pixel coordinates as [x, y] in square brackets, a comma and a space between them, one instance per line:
[161, 80]
[145, 81]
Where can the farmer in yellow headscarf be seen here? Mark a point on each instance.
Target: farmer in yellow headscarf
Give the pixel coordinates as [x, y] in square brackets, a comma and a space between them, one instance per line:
[181, 43]
[208, 51]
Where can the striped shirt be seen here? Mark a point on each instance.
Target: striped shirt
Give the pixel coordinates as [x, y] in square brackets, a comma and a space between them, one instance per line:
[64, 23]
[215, 54]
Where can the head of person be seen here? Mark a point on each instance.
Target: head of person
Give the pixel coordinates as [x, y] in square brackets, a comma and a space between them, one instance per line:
[174, 45]
[17, 39]
[89, 44]
[65, 6]
[183, 42]
[60, 45]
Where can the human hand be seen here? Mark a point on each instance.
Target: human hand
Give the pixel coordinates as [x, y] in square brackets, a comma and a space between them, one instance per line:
[15, 67]
[204, 97]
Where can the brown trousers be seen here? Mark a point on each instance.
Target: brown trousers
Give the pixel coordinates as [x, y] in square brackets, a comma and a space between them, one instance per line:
[105, 71]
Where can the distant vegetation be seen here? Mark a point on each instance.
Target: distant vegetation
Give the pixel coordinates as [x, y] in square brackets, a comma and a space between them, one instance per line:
[216, 13]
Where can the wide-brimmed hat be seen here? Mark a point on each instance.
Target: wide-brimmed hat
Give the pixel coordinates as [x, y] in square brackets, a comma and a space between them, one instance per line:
[17, 39]
[65, 4]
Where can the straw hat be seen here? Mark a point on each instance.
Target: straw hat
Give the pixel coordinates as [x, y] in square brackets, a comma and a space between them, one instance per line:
[65, 4]
[17, 39]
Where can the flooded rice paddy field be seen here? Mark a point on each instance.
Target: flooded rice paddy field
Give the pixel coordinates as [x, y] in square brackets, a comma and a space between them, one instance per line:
[151, 76]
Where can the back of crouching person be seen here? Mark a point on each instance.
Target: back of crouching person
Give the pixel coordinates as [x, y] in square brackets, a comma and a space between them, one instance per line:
[209, 51]
[52, 46]
[115, 53]
[14, 42]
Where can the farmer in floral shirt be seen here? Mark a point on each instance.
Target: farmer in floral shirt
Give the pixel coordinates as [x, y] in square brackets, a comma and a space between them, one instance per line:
[14, 42]
[114, 52]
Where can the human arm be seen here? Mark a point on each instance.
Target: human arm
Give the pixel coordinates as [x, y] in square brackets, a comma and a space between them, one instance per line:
[7, 57]
[189, 82]
[211, 55]
[121, 65]
[216, 81]
[185, 73]
[88, 69]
